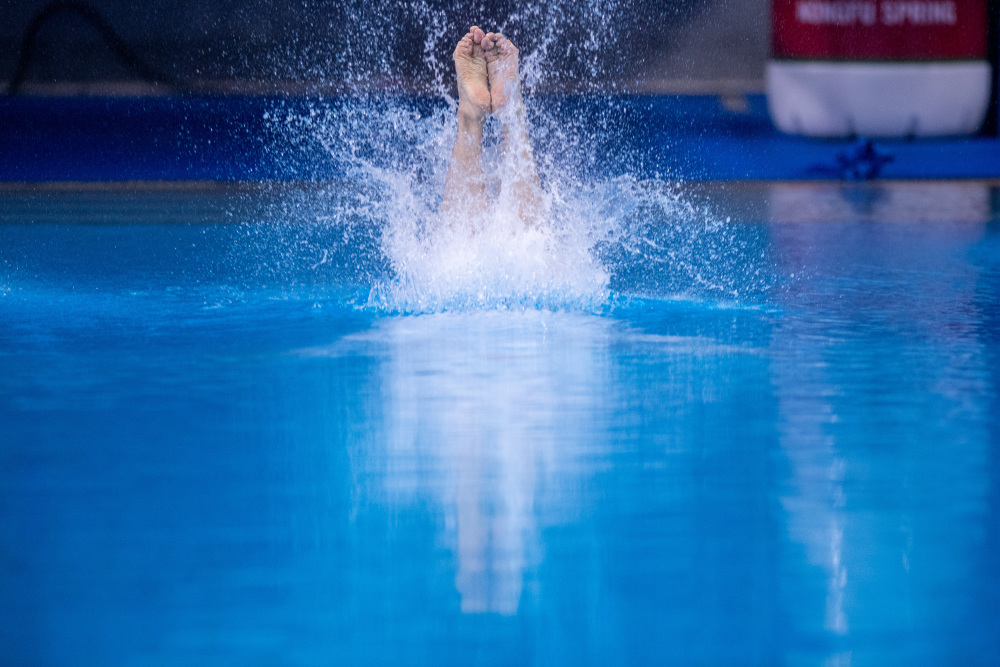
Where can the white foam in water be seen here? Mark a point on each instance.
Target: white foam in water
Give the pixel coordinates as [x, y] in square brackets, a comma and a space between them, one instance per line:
[492, 260]
[502, 263]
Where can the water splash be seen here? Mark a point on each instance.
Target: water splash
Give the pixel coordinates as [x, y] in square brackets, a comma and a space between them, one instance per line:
[609, 229]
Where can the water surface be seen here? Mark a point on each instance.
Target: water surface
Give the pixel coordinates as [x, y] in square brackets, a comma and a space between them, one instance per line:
[766, 441]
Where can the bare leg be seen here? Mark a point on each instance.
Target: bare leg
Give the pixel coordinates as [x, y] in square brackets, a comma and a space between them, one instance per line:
[465, 188]
[505, 96]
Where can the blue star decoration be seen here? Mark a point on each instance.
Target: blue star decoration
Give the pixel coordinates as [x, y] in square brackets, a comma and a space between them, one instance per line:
[860, 162]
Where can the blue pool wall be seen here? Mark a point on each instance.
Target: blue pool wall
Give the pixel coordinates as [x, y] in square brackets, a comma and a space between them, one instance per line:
[229, 138]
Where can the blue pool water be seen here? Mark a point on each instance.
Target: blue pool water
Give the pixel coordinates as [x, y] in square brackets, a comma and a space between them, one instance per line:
[231, 438]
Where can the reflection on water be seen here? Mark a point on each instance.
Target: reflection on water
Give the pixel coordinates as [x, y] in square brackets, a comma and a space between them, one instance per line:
[875, 202]
[484, 412]
[927, 201]
[882, 439]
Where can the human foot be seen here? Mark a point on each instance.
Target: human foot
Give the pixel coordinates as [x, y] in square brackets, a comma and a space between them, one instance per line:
[501, 63]
[471, 70]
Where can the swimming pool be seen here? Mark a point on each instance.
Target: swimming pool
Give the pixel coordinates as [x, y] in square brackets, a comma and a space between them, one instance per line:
[218, 448]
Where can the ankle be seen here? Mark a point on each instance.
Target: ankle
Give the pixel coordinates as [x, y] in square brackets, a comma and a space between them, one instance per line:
[470, 120]
[510, 103]
[471, 115]
[513, 112]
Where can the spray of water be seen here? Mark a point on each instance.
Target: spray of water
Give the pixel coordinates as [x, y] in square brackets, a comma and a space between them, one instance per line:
[607, 228]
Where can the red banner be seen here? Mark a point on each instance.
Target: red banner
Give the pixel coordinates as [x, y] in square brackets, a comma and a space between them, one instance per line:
[911, 30]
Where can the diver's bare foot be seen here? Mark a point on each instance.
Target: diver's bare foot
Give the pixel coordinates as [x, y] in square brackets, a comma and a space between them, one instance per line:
[501, 63]
[470, 67]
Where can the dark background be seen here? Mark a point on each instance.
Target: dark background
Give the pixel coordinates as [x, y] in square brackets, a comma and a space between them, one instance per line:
[224, 45]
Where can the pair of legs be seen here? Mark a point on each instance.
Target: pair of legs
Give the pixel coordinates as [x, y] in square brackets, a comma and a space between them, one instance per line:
[487, 68]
